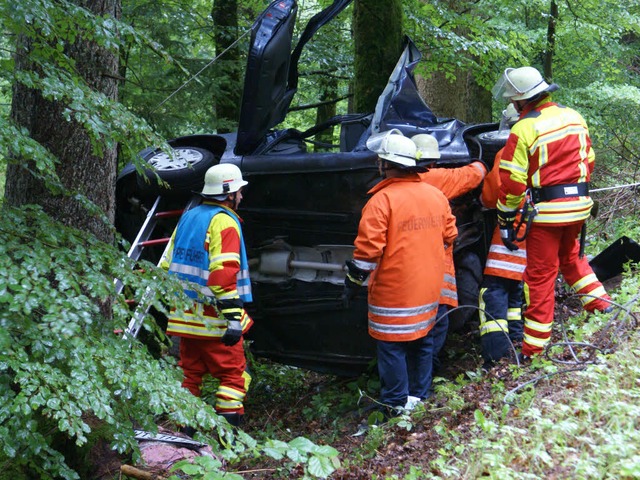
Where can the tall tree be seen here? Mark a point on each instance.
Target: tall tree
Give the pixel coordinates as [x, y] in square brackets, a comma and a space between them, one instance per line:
[227, 100]
[86, 166]
[377, 35]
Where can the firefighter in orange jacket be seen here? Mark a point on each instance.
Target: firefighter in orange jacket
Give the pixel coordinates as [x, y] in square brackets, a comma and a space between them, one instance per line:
[548, 152]
[500, 299]
[403, 233]
[453, 182]
[207, 249]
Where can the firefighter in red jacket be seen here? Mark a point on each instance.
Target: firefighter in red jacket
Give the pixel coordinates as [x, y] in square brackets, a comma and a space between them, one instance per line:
[453, 182]
[500, 298]
[405, 228]
[207, 249]
[548, 153]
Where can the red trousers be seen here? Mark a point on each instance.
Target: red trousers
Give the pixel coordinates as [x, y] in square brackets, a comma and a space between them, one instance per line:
[549, 248]
[228, 364]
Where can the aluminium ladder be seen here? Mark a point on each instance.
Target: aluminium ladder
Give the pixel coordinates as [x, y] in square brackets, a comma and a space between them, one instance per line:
[143, 239]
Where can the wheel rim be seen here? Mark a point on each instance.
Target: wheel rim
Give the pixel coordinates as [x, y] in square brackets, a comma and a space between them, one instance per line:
[182, 158]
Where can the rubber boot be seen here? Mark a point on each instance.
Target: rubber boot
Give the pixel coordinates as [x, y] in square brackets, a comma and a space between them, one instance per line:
[234, 419]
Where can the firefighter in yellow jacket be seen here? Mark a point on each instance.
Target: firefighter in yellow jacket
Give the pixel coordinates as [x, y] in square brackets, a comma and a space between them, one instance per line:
[207, 252]
[403, 233]
[548, 153]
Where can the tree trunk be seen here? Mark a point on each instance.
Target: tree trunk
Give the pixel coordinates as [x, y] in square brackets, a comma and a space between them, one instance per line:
[461, 98]
[551, 41]
[377, 31]
[326, 110]
[227, 102]
[79, 168]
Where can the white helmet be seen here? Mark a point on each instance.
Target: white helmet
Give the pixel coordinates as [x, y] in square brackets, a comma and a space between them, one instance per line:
[521, 84]
[223, 179]
[509, 116]
[427, 145]
[394, 147]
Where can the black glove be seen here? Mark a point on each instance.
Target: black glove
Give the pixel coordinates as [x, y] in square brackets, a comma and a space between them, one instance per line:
[353, 282]
[507, 232]
[231, 310]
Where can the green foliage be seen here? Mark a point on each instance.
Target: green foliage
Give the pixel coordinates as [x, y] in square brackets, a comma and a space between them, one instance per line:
[67, 380]
[592, 434]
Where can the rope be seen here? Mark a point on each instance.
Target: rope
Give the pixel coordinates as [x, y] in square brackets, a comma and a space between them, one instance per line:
[202, 70]
[614, 188]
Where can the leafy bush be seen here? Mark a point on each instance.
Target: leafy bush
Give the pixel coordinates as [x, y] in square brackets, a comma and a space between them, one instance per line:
[67, 380]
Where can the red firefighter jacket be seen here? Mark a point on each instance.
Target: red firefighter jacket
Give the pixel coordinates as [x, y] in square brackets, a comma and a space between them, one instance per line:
[549, 145]
[404, 230]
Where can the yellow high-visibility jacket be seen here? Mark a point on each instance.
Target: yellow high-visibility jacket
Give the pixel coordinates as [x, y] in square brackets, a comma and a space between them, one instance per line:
[548, 146]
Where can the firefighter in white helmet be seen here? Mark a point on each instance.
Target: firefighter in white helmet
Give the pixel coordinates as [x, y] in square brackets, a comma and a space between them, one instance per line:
[405, 228]
[549, 154]
[207, 249]
[453, 182]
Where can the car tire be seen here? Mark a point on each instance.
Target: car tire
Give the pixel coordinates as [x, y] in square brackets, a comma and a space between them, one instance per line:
[183, 173]
[468, 278]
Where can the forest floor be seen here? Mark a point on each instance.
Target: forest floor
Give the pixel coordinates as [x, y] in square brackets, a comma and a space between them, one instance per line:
[285, 403]
[325, 410]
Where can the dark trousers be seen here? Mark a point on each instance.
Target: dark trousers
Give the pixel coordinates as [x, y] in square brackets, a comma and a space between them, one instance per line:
[439, 334]
[405, 368]
[500, 316]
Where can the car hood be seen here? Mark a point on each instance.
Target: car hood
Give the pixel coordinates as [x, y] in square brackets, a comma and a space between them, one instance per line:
[271, 77]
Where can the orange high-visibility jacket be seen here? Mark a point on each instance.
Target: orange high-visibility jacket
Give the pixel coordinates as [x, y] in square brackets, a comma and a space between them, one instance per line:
[501, 262]
[549, 145]
[453, 182]
[402, 236]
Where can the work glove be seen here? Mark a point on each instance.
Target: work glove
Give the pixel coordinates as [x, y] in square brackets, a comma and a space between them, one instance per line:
[353, 282]
[507, 232]
[231, 310]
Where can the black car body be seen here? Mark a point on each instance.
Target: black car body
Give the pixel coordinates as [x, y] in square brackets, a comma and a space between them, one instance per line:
[301, 209]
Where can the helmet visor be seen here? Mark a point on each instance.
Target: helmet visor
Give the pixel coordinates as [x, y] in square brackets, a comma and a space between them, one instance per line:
[504, 87]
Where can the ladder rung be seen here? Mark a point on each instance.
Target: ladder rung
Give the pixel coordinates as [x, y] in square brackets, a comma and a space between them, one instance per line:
[169, 213]
[157, 241]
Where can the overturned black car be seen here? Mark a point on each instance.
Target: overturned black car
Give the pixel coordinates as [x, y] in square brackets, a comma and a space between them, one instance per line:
[301, 209]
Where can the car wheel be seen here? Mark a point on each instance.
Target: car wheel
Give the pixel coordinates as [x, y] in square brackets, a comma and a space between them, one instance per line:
[183, 171]
[468, 278]
[490, 143]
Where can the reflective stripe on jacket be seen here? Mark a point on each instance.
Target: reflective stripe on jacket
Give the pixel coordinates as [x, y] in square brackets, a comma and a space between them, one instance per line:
[549, 145]
[207, 249]
[403, 232]
[502, 262]
[453, 182]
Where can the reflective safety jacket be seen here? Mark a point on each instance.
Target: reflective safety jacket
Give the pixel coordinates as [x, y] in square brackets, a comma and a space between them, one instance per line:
[501, 262]
[548, 146]
[402, 236]
[453, 182]
[207, 252]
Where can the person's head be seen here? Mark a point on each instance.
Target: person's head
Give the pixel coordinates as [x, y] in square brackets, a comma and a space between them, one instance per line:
[509, 117]
[521, 86]
[427, 146]
[223, 183]
[396, 153]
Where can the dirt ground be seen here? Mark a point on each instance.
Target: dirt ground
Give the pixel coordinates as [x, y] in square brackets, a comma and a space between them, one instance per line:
[401, 448]
[286, 412]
